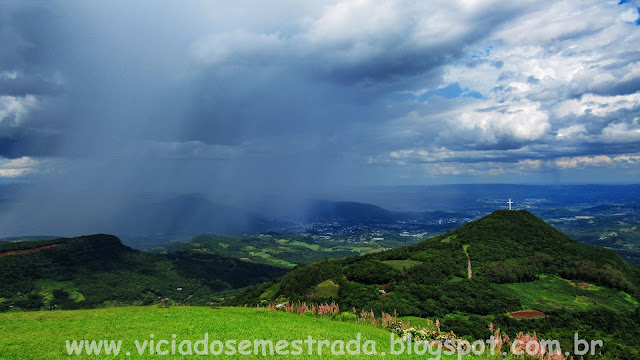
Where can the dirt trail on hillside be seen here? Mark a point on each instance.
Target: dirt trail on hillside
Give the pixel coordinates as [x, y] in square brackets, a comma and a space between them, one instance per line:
[469, 261]
[30, 250]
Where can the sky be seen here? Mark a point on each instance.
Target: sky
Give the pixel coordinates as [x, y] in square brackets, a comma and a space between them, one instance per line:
[248, 97]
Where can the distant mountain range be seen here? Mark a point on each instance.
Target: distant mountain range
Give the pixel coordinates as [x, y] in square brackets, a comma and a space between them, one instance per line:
[354, 213]
[146, 221]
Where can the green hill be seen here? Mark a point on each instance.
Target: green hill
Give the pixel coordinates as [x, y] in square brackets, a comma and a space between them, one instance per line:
[517, 262]
[98, 270]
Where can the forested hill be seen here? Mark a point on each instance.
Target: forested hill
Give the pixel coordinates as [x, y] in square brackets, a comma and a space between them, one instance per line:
[99, 270]
[516, 246]
[503, 247]
[504, 262]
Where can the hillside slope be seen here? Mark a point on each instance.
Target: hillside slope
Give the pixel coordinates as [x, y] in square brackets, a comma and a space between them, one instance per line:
[503, 247]
[518, 262]
[99, 270]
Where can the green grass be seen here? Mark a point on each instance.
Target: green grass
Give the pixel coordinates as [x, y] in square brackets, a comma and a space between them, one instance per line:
[47, 286]
[366, 249]
[270, 292]
[327, 289]
[42, 335]
[402, 265]
[314, 247]
[553, 293]
[272, 260]
[448, 239]
[419, 322]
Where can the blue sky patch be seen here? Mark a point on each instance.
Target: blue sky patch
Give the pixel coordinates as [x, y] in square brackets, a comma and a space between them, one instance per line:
[451, 92]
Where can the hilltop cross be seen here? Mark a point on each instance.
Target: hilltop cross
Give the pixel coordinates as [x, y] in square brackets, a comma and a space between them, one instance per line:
[510, 202]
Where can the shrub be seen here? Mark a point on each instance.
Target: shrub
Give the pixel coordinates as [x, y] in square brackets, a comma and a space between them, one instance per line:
[31, 302]
[346, 317]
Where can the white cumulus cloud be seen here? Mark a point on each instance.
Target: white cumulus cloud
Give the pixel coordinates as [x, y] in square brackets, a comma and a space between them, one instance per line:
[11, 168]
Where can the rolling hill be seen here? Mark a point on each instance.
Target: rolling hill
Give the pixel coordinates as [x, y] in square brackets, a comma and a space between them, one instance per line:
[348, 212]
[98, 270]
[502, 263]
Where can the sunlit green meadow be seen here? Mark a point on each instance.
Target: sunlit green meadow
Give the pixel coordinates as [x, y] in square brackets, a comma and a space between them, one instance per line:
[42, 335]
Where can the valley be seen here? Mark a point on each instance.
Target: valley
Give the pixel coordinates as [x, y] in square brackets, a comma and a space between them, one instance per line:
[289, 250]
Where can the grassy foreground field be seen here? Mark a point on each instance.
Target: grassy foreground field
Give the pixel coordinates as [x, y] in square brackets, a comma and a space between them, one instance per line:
[42, 335]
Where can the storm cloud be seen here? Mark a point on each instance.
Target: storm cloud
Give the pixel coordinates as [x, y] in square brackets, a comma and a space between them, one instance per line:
[250, 98]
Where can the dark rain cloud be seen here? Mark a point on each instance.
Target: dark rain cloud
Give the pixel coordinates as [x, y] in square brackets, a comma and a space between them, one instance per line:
[250, 97]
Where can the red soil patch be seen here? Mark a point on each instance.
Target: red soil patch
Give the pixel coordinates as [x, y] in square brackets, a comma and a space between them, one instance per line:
[527, 314]
[30, 250]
